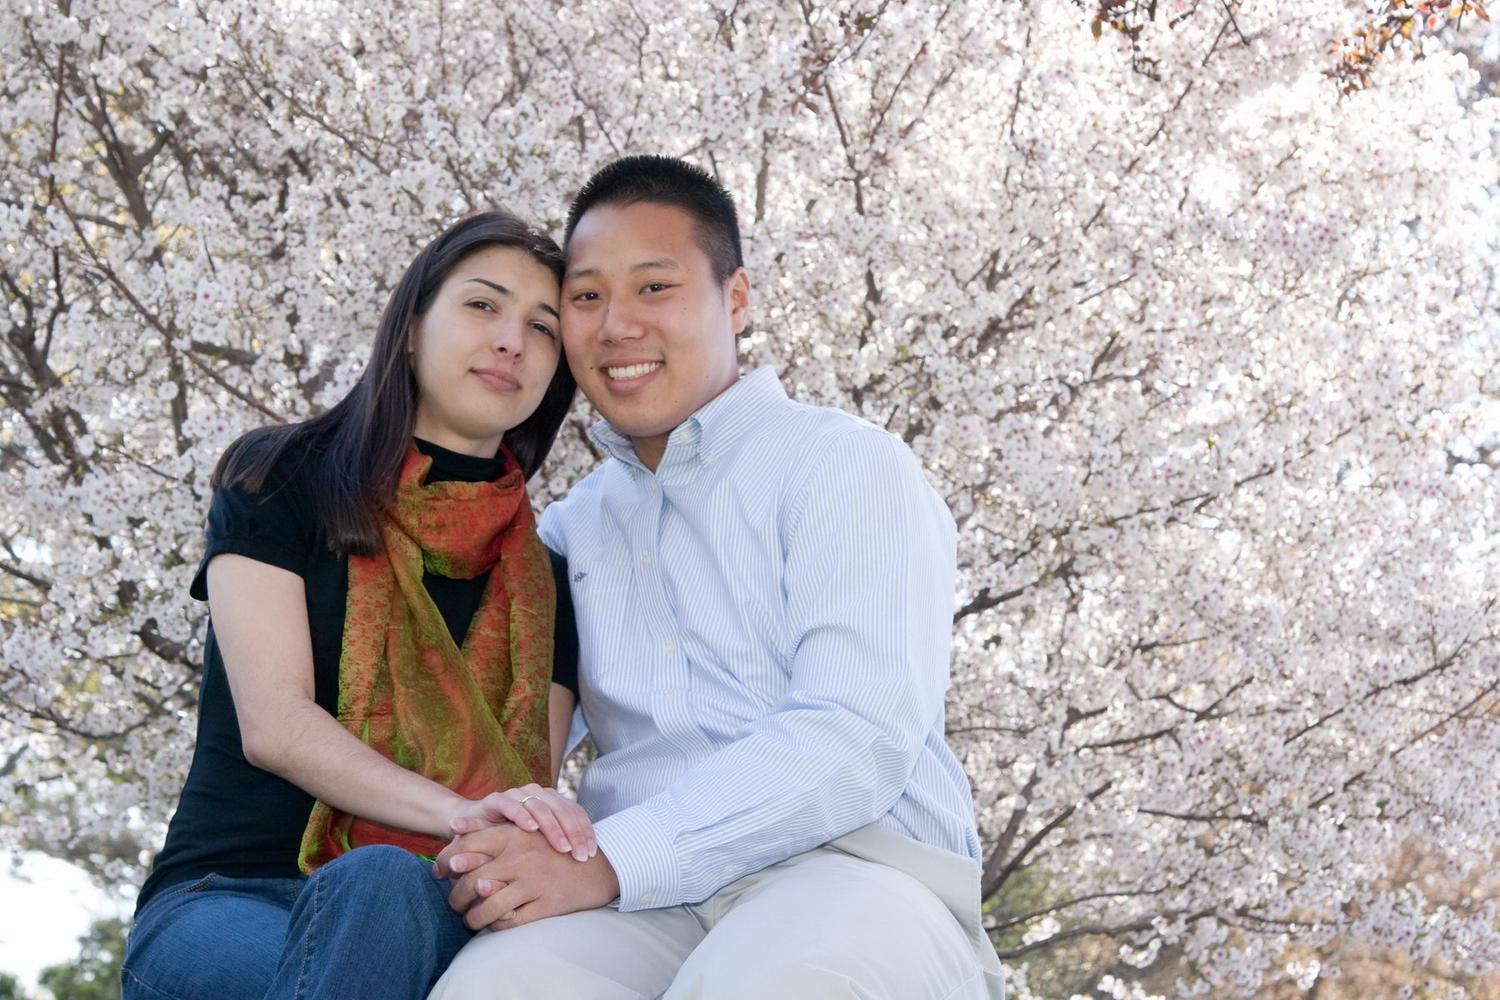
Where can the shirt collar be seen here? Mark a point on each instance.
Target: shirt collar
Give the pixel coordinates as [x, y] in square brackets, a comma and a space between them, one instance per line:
[712, 429]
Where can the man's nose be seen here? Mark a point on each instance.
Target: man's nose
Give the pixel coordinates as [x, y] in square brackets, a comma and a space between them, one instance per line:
[620, 323]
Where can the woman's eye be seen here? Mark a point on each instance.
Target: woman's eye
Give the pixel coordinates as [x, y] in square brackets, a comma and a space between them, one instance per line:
[544, 328]
[585, 296]
[482, 304]
[657, 286]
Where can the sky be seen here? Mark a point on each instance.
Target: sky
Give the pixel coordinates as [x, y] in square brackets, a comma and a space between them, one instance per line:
[45, 906]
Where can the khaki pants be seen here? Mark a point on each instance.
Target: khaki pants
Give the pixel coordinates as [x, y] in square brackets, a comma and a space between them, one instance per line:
[871, 915]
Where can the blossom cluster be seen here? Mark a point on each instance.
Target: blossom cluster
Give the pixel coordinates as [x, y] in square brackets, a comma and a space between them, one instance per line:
[1204, 361]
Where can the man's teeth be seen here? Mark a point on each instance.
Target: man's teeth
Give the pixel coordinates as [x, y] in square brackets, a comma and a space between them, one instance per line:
[633, 371]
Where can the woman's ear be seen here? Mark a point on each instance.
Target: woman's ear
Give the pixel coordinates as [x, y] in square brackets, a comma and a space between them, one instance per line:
[413, 334]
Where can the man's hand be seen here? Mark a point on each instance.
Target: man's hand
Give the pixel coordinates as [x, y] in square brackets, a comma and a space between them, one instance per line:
[508, 876]
[532, 807]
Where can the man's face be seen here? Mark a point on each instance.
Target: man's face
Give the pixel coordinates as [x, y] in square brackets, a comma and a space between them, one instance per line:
[648, 332]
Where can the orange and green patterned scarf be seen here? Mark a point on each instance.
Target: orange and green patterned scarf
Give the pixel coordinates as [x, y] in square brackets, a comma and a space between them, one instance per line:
[472, 719]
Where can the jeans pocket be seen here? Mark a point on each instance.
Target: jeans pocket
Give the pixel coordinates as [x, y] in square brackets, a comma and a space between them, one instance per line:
[182, 889]
[203, 883]
[209, 937]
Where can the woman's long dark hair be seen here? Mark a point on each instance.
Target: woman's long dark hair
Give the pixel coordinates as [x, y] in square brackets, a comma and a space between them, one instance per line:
[366, 434]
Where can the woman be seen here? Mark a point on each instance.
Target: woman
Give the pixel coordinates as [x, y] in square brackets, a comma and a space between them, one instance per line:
[380, 650]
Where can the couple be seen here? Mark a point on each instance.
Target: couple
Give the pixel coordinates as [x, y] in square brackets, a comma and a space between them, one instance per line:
[763, 597]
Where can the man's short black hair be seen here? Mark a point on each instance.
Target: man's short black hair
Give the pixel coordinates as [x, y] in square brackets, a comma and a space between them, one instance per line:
[665, 180]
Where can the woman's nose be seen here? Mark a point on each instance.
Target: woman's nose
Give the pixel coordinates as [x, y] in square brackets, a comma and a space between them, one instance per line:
[509, 337]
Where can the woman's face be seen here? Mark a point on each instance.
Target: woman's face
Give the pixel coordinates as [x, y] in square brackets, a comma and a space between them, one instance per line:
[485, 350]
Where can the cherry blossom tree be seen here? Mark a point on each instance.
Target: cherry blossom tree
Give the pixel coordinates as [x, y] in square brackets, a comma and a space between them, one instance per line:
[1197, 338]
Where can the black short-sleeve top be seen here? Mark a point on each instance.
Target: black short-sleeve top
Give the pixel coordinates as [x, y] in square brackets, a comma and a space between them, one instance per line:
[234, 818]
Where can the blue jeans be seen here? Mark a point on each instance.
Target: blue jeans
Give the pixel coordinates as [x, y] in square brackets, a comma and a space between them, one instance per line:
[371, 923]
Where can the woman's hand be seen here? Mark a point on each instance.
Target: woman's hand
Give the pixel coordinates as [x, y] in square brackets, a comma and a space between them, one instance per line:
[536, 808]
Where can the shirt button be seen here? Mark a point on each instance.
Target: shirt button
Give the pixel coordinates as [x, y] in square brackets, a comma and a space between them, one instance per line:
[668, 648]
[645, 560]
[648, 897]
[730, 870]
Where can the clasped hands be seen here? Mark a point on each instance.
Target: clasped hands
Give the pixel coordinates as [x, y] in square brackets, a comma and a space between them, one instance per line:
[521, 855]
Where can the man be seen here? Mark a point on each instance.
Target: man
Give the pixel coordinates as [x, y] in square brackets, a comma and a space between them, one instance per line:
[764, 595]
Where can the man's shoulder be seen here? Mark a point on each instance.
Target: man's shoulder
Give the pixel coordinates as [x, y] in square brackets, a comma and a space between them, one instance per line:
[583, 497]
[588, 488]
[837, 457]
[808, 431]
[815, 436]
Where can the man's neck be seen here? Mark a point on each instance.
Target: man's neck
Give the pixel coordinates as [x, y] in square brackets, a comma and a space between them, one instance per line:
[650, 449]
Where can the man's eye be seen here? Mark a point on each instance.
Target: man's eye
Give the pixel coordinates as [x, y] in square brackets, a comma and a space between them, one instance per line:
[656, 286]
[482, 304]
[544, 328]
[586, 297]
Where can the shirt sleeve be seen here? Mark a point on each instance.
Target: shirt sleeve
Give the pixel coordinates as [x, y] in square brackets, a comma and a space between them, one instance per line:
[275, 526]
[549, 529]
[869, 584]
[565, 629]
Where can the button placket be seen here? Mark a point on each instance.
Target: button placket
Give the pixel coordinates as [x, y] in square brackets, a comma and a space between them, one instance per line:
[656, 617]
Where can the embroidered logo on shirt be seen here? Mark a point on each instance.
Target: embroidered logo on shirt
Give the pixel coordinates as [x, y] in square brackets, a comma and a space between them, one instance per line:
[579, 576]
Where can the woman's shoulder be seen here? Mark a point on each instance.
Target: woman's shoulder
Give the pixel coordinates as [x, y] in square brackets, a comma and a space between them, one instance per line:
[272, 460]
[264, 505]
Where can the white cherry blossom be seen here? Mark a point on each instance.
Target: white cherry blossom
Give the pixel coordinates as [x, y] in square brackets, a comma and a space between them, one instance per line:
[1204, 361]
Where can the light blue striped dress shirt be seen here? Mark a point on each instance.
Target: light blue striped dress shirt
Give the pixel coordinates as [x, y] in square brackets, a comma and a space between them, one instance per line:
[764, 629]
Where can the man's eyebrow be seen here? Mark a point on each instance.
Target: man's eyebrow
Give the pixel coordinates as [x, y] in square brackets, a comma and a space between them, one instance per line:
[499, 288]
[544, 307]
[664, 263]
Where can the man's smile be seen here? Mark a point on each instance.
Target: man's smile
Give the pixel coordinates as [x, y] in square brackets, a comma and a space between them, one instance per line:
[622, 373]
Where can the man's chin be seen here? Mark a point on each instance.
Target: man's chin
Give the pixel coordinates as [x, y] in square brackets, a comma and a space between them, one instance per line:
[627, 417]
[637, 430]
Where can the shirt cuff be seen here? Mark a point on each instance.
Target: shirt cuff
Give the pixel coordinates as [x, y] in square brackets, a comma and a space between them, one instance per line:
[639, 848]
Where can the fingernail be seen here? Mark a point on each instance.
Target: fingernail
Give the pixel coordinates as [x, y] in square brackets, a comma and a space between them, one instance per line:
[531, 826]
[580, 855]
[567, 846]
[459, 865]
[592, 852]
[483, 886]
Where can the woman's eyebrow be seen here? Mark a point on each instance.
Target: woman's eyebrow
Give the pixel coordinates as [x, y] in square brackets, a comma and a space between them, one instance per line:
[499, 288]
[543, 306]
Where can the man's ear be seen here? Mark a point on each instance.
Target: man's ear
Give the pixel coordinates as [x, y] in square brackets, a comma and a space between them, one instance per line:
[737, 292]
